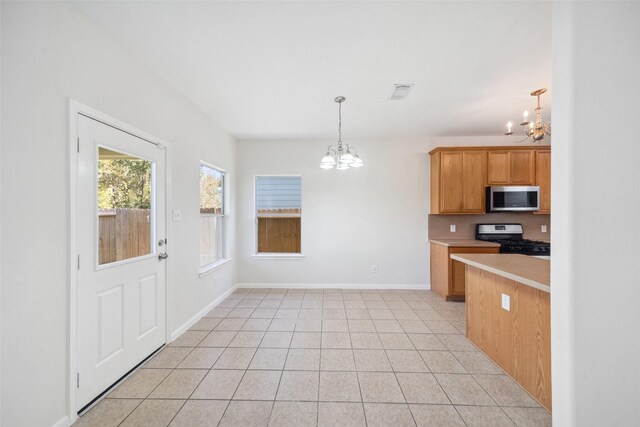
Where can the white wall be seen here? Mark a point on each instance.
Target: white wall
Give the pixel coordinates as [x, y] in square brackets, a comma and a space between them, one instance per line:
[51, 51]
[350, 219]
[594, 273]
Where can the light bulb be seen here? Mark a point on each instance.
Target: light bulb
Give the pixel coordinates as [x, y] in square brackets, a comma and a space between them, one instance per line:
[525, 115]
[509, 124]
[357, 162]
[346, 158]
[328, 159]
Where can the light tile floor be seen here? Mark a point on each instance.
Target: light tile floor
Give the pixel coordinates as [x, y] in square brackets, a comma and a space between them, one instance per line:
[328, 357]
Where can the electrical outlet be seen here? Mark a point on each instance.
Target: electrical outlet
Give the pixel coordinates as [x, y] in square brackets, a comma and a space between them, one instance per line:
[452, 228]
[177, 215]
[374, 268]
[543, 228]
[506, 302]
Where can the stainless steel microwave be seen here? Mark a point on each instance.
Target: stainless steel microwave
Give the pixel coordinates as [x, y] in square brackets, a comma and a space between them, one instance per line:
[513, 199]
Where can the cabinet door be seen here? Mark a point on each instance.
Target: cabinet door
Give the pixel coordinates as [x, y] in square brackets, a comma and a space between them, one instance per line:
[522, 167]
[457, 278]
[451, 182]
[543, 179]
[474, 171]
[439, 269]
[498, 168]
[457, 269]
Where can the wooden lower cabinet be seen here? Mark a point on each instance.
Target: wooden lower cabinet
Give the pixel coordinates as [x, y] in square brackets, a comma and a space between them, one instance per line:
[447, 275]
[518, 340]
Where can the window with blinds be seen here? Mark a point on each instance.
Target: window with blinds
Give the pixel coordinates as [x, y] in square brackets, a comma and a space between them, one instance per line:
[278, 214]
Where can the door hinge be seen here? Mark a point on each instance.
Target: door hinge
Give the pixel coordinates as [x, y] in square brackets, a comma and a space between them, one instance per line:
[78, 262]
[78, 144]
[78, 380]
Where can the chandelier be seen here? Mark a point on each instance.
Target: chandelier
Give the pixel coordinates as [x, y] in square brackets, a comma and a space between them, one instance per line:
[534, 130]
[342, 156]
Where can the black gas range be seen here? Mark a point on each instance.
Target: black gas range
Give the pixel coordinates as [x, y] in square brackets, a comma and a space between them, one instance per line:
[510, 238]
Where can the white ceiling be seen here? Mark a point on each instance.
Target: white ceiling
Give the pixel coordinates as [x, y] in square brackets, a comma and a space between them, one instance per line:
[271, 69]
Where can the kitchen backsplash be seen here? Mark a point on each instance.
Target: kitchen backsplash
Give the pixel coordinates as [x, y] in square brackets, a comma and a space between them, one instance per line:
[439, 225]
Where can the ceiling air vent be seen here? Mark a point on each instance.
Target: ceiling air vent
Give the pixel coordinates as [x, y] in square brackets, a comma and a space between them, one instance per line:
[400, 91]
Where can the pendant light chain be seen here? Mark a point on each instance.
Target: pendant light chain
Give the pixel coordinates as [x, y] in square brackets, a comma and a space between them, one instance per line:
[339, 125]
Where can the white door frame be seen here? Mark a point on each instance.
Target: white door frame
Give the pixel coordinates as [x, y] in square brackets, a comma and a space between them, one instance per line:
[76, 108]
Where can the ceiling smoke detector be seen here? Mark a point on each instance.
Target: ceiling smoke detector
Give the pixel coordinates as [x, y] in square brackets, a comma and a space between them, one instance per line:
[400, 91]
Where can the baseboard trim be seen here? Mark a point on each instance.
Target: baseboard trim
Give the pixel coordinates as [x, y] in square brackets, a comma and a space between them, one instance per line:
[189, 323]
[333, 286]
[63, 422]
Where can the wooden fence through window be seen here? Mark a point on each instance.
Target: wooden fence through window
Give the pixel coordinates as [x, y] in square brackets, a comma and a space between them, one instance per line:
[279, 231]
[123, 234]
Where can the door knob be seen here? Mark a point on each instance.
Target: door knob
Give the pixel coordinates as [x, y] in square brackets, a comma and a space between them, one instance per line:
[163, 256]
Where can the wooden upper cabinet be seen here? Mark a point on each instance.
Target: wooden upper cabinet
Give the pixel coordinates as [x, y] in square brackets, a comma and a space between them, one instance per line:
[513, 167]
[457, 182]
[543, 179]
[522, 168]
[474, 172]
[498, 168]
[451, 182]
[459, 175]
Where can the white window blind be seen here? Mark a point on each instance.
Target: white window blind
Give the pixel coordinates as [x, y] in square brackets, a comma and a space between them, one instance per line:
[278, 193]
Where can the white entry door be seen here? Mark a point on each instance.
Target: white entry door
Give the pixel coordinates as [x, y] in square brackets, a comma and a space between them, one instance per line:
[121, 240]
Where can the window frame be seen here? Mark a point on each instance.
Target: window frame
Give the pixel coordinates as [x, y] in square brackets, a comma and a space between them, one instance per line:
[274, 255]
[224, 259]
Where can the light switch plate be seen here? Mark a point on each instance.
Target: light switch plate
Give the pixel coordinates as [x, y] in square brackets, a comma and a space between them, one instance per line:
[452, 228]
[506, 302]
[177, 215]
[374, 268]
[543, 228]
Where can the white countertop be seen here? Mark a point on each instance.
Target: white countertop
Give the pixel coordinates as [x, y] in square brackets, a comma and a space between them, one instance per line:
[528, 270]
[464, 243]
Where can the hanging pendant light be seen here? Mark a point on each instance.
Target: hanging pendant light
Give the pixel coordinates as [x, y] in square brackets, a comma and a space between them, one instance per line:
[342, 156]
[536, 131]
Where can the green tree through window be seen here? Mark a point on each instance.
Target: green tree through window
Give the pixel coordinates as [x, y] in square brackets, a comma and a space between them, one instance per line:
[211, 194]
[124, 183]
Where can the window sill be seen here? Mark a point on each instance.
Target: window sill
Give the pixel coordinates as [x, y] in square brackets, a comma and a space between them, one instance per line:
[269, 256]
[209, 268]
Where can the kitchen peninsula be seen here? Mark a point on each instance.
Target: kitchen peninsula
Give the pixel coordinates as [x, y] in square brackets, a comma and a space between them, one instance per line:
[508, 316]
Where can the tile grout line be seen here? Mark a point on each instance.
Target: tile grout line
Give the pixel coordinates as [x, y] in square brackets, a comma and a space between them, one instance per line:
[390, 365]
[275, 396]
[436, 379]
[176, 368]
[243, 374]
[319, 364]
[364, 412]
[395, 374]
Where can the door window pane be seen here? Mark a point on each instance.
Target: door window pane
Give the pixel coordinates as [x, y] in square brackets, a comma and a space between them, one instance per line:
[124, 206]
